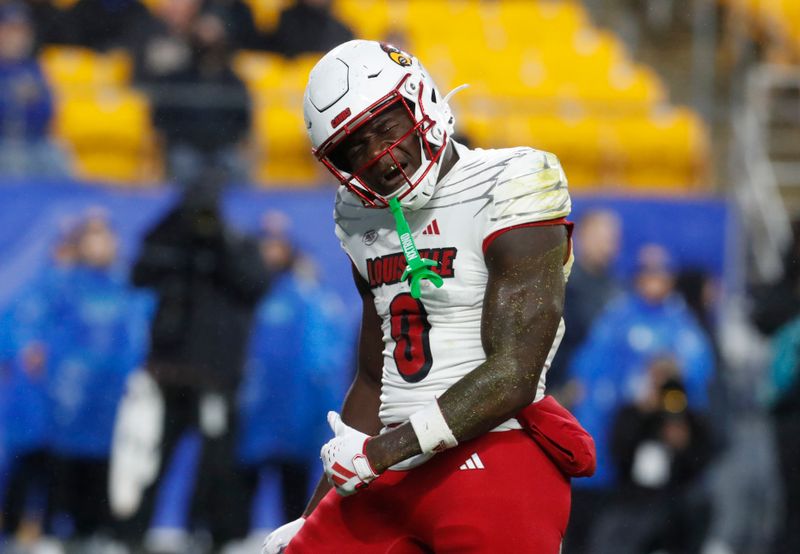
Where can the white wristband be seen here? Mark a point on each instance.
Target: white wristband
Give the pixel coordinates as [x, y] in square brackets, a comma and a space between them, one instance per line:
[432, 431]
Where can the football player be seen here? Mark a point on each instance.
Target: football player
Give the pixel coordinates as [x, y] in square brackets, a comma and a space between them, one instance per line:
[462, 281]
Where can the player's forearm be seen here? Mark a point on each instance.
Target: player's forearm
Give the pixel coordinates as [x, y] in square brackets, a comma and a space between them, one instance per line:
[474, 405]
[486, 397]
[490, 394]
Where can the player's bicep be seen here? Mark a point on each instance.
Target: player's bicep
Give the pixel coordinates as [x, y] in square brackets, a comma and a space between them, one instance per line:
[525, 294]
[370, 339]
[362, 403]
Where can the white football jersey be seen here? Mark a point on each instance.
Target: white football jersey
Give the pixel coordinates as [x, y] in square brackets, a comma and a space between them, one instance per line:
[433, 341]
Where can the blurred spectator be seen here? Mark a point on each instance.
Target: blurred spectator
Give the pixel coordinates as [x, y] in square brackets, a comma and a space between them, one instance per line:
[68, 344]
[701, 293]
[776, 313]
[783, 396]
[25, 422]
[201, 107]
[100, 24]
[661, 448]
[26, 106]
[239, 23]
[208, 281]
[307, 26]
[95, 330]
[24, 431]
[775, 304]
[652, 320]
[49, 23]
[161, 43]
[295, 374]
[591, 286]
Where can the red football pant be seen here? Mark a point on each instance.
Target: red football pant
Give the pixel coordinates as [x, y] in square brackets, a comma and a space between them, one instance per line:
[518, 502]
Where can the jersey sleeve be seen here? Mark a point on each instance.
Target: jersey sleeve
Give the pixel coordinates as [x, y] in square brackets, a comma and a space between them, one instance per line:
[532, 191]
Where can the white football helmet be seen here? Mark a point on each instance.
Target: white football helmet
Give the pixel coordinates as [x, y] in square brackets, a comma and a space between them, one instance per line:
[356, 81]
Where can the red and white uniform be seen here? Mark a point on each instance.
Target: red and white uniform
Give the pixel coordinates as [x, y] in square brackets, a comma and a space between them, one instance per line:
[497, 493]
[433, 342]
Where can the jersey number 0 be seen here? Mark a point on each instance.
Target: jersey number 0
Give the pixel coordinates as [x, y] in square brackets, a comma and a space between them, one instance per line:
[410, 330]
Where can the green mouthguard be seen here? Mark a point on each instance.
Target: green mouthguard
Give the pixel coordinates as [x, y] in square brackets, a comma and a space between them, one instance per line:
[417, 268]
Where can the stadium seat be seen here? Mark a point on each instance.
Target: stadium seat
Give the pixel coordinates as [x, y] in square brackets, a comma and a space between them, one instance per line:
[577, 140]
[110, 135]
[545, 23]
[282, 150]
[668, 150]
[372, 19]
[266, 12]
[260, 71]
[456, 22]
[75, 67]
[567, 87]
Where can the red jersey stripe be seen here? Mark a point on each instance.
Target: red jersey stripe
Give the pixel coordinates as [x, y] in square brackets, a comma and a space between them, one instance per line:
[560, 221]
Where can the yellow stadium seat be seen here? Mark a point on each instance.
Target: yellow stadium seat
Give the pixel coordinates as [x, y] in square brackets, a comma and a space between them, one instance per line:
[110, 134]
[282, 148]
[577, 140]
[475, 126]
[260, 71]
[458, 22]
[668, 150]
[540, 75]
[72, 67]
[267, 73]
[267, 12]
[298, 70]
[542, 23]
[372, 19]
[636, 86]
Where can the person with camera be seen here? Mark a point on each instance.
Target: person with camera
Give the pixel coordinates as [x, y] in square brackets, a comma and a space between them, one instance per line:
[207, 280]
[660, 447]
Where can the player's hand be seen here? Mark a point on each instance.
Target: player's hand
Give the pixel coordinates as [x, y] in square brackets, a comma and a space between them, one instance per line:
[280, 537]
[344, 458]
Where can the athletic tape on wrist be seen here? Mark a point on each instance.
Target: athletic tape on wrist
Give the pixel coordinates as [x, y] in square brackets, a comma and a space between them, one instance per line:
[432, 431]
[363, 468]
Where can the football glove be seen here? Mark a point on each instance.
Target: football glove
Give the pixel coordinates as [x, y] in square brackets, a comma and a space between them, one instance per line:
[344, 458]
[280, 538]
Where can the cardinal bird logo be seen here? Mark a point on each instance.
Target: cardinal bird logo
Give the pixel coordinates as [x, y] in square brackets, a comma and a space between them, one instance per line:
[398, 56]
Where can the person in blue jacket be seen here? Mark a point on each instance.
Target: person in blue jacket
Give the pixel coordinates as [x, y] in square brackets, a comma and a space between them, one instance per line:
[294, 374]
[26, 103]
[24, 420]
[95, 331]
[649, 322]
[26, 426]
